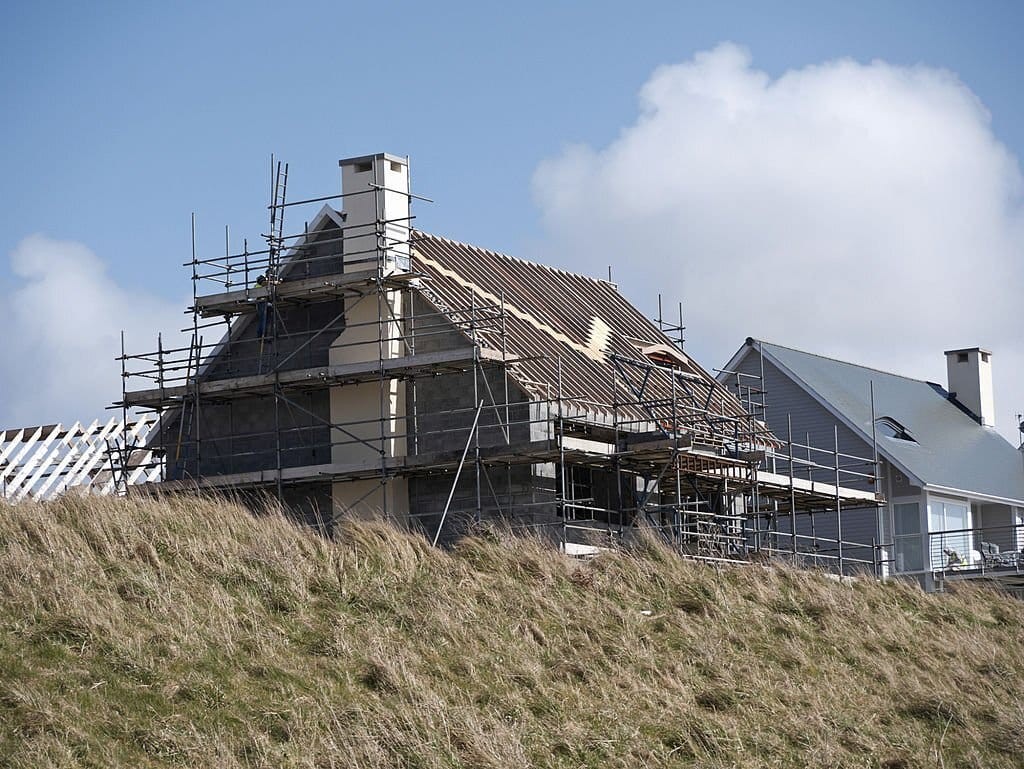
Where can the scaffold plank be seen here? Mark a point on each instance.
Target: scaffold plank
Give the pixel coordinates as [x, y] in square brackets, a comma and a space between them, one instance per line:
[339, 284]
[324, 376]
[781, 483]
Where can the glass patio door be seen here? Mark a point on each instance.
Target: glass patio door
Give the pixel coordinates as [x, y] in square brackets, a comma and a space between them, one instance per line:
[950, 542]
[906, 520]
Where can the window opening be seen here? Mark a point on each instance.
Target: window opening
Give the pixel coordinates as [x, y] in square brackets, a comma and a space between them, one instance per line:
[949, 535]
[906, 519]
[579, 489]
[890, 428]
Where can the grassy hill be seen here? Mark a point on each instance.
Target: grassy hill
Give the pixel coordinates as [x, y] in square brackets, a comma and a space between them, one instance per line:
[184, 633]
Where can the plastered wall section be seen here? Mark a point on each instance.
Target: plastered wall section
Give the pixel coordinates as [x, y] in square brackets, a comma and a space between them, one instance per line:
[369, 416]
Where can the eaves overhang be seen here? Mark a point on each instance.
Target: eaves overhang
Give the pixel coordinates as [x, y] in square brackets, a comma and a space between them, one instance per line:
[976, 495]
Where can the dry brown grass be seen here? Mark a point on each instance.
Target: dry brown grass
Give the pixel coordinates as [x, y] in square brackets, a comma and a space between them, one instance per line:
[177, 632]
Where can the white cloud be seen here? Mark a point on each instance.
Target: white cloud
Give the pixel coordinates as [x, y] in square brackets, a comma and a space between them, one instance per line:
[861, 211]
[62, 333]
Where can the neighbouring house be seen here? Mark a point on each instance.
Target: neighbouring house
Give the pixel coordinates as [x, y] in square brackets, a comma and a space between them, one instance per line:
[954, 486]
[367, 367]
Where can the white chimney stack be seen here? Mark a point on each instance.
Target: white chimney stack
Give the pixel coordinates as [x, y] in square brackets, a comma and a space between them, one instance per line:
[969, 377]
[377, 212]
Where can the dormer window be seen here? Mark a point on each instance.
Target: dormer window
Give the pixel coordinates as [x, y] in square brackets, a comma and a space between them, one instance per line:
[665, 355]
[890, 428]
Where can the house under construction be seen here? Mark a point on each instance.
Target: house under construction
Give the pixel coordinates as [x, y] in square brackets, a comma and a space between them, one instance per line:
[362, 367]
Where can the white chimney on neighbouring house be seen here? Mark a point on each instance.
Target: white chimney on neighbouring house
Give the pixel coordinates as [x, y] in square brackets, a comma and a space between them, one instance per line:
[969, 377]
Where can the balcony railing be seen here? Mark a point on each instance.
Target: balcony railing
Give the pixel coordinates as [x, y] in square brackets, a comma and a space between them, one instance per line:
[980, 551]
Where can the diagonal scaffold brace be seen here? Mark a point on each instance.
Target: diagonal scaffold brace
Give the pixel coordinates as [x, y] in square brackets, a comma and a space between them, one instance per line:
[458, 472]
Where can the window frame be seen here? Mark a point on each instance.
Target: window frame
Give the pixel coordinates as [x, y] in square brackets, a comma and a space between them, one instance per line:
[961, 542]
[918, 537]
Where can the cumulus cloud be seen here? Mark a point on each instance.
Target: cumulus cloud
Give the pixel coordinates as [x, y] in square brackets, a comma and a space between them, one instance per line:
[862, 211]
[62, 333]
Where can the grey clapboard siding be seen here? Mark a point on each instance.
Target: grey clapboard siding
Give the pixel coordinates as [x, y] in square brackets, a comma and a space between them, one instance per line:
[786, 402]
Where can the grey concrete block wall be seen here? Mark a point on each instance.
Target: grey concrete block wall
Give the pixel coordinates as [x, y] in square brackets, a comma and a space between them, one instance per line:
[513, 496]
[788, 403]
[430, 329]
[307, 503]
[298, 335]
[239, 435]
[302, 339]
[445, 406]
[311, 504]
[323, 255]
[522, 497]
[440, 409]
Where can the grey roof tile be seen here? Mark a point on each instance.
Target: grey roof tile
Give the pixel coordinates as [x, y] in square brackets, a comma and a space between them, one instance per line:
[951, 449]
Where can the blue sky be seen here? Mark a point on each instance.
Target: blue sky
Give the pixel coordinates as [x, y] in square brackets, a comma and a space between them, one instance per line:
[123, 118]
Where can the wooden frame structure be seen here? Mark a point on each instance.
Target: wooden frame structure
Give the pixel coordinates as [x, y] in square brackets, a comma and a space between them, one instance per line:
[45, 461]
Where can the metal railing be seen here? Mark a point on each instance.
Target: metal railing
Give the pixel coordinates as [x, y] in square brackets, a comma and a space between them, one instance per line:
[979, 550]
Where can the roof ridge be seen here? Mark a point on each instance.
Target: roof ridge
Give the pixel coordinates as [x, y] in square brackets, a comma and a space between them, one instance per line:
[510, 257]
[844, 362]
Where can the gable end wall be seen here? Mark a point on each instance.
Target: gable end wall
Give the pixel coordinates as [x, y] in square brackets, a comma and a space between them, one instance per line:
[786, 400]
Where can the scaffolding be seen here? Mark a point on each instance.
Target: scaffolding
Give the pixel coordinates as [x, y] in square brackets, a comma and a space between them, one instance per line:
[452, 434]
